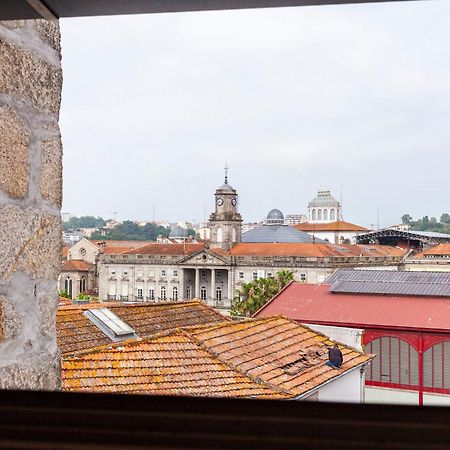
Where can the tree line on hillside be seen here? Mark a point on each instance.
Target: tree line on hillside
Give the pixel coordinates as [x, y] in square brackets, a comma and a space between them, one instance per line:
[428, 223]
[75, 223]
[126, 231]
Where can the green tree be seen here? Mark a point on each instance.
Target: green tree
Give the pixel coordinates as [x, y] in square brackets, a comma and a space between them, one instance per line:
[252, 296]
[445, 218]
[407, 219]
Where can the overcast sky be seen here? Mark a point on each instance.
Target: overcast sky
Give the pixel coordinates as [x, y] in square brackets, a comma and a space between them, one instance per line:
[353, 98]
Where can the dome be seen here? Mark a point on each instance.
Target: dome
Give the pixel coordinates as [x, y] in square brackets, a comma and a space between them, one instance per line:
[226, 187]
[270, 233]
[275, 217]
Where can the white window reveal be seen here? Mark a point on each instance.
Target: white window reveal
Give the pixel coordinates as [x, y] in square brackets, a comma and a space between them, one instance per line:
[140, 294]
[303, 277]
[162, 291]
[175, 293]
[219, 294]
[241, 275]
[163, 272]
[255, 275]
[189, 293]
[175, 273]
[203, 293]
[151, 294]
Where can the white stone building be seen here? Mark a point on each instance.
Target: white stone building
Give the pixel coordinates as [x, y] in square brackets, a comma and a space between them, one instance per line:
[324, 208]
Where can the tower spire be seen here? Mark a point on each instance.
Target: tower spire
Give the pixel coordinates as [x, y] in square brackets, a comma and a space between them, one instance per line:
[226, 172]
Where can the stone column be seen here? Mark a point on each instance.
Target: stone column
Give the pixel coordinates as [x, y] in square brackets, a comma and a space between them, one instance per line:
[230, 288]
[181, 294]
[213, 284]
[30, 203]
[197, 283]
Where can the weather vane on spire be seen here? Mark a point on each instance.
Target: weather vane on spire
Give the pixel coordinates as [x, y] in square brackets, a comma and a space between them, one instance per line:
[226, 172]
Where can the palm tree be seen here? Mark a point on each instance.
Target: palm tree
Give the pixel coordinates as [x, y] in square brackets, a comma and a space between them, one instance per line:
[253, 296]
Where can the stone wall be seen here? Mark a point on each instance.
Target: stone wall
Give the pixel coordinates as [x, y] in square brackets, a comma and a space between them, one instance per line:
[30, 202]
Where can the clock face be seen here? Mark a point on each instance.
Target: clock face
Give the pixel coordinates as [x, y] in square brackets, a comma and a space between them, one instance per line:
[233, 201]
[219, 201]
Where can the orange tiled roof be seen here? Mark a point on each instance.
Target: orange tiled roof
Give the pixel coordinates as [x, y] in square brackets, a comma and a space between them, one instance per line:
[436, 250]
[167, 249]
[117, 247]
[76, 333]
[339, 225]
[313, 250]
[76, 265]
[168, 365]
[276, 351]
[269, 357]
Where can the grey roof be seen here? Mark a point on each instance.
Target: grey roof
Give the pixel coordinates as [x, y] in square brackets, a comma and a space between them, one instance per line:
[277, 233]
[275, 216]
[323, 198]
[430, 284]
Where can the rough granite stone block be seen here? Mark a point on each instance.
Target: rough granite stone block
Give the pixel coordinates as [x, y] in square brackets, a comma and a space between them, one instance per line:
[48, 304]
[51, 174]
[30, 78]
[11, 320]
[31, 241]
[36, 372]
[14, 164]
[48, 31]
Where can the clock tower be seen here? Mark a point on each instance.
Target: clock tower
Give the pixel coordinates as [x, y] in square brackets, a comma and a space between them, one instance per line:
[225, 222]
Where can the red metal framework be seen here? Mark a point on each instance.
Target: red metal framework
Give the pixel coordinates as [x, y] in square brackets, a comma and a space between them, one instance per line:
[409, 361]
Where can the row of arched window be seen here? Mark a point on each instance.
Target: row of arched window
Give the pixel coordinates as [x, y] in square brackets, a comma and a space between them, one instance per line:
[68, 285]
[323, 214]
[397, 362]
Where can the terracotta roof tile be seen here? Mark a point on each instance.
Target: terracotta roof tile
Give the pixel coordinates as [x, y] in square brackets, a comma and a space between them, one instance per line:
[173, 365]
[77, 333]
[167, 249]
[277, 351]
[314, 250]
[437, 250]
[339, 225]
[268, 358]
[76, 265]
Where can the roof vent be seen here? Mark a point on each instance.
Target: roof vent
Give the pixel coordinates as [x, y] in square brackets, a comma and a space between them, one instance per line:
[108, 323]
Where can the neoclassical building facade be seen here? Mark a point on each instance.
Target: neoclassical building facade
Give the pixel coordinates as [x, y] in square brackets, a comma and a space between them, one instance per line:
[214, 271]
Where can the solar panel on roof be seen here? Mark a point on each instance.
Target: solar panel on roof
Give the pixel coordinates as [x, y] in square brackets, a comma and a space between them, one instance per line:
[431, 284]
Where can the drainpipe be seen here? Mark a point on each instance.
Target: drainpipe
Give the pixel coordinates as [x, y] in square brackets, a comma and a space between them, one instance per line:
[420, 369]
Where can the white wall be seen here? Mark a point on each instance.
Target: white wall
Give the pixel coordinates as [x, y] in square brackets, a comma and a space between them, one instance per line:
[347, 336]
[403, 397]
[348, 388]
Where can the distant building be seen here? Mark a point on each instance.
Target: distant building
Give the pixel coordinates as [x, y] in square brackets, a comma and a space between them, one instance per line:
[435, 259]
[294, 219]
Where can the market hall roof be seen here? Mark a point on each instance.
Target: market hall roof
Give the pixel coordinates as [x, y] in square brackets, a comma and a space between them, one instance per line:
[424, 237]
[316, 304]
[267, 358]
[389, 282]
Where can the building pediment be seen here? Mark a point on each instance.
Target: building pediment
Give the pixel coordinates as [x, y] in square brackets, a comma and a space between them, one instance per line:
[206, 257]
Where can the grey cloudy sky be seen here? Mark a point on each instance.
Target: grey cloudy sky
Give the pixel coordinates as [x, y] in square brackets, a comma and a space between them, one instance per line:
[293, 98]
